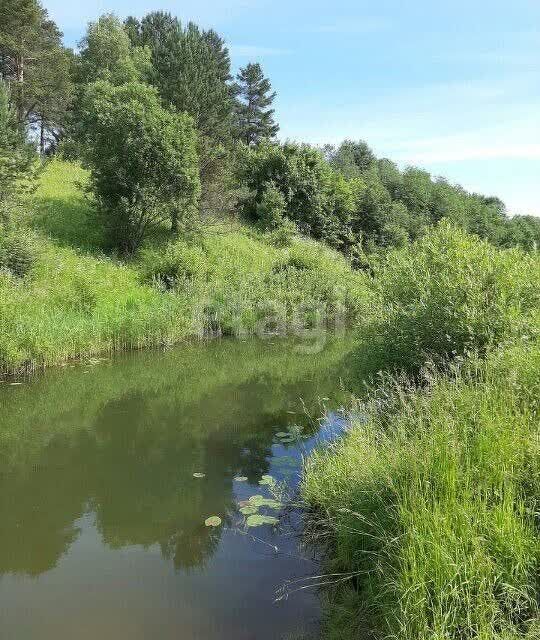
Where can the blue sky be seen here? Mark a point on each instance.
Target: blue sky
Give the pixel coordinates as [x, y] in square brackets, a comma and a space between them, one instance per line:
[451, 86]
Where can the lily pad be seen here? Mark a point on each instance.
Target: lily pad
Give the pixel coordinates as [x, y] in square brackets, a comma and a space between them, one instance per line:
[261, 501]
[199, 475]
[249, 510]
[269, 480]
[213, 521]
[257, 520]
[282, 434]
[240, 479]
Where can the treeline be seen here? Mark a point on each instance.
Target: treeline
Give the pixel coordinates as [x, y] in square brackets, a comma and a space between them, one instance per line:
[151, 108]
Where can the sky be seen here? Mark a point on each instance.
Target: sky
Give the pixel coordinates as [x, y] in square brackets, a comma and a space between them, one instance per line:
[452, 86]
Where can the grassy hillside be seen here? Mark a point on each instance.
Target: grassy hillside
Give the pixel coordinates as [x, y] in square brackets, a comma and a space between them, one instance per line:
[74, 299]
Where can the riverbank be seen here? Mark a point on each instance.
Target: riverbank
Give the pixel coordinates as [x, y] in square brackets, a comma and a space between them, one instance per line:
[428, 509]
[65, 297]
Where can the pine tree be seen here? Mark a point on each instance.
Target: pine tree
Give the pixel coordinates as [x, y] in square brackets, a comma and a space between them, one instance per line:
[35, 65]
[254, 120]
[16, 155]
[191, 70]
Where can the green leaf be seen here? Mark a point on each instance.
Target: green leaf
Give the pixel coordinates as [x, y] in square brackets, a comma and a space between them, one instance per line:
[268, 480]
[213, 521]
[248, 510]
[257, 520]
[240, 478]
[261, 501]
[199, 475]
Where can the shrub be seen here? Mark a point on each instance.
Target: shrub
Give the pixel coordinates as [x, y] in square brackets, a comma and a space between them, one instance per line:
[284, 235]
[447, 295]
[271, 208]
[179, 264]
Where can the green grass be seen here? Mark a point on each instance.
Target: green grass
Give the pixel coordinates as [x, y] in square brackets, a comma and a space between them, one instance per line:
[62, 210]
[77, 301]
[433, 504]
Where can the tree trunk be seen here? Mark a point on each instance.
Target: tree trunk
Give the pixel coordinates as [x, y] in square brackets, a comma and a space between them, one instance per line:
[174, 222]
[42, 136]
[20, 89]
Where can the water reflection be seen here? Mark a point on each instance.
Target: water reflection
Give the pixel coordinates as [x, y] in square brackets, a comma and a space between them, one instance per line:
[109, 452]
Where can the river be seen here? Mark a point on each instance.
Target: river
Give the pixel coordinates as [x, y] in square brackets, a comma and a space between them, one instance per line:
[110, 468]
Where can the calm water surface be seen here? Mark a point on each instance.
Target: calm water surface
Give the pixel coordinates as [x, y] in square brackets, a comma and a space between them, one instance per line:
[102, 530]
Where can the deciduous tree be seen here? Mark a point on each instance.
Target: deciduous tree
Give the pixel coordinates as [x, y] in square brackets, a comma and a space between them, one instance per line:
[143, 160]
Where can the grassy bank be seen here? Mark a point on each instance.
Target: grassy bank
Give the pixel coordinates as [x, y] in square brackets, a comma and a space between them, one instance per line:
[72, 299]
[429, 506]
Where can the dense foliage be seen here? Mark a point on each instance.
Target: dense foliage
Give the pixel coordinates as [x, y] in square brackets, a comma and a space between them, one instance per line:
[450, 295]
[16, 156]
[344, 196]
[143, 160]
[37, 69]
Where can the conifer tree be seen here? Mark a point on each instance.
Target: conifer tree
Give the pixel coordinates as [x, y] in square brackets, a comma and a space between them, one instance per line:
[35, 66]
[191, 70]
[16, 155]
[254, 119]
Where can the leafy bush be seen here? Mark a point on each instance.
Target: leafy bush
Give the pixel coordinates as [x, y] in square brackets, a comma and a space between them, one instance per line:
[295, 182]
[271, 208]
[284, 235]
[179, 264]
[448, 295]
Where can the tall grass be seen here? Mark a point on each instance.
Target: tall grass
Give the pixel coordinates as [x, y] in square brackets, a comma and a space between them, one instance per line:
[434, 507]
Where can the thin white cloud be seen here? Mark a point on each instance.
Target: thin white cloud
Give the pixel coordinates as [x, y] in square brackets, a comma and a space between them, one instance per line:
[255, 51]
[353, 25]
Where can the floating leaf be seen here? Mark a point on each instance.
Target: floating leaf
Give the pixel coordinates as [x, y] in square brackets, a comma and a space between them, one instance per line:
[199, 475]
[213, 521]
[240, 479]
[257, 520]
[269, 480]
[282, 434]
[261, 501]
[273, 504]
[249, 510]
